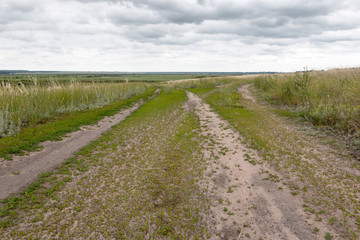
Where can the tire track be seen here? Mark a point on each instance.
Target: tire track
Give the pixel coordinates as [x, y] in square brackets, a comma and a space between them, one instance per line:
[243, 205]
[17, 174]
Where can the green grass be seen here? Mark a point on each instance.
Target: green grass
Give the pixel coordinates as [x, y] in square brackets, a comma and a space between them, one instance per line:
[227, 104]
[137, 180]
[288, 113]
[46, 79]
[28, 105]
[204, 83]
[290, 154]
[324, 97]
[201, 91]
[29, 137]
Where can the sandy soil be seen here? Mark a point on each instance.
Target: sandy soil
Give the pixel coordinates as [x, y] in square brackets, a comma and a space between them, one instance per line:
[245, 92]
[243, 204]
[17, 174]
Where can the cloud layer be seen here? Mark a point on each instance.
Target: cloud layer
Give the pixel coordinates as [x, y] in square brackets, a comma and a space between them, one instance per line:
[188, 35]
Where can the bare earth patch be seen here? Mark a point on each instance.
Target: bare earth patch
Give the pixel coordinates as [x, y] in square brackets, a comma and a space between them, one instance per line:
[245, 92]
[247, 201]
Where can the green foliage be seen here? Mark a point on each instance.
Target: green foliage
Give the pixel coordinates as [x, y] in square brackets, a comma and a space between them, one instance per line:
[138, 180]
[328, 236]
[288, 113]
[29, 105]
[29, 137]
[59, 78]
[201, 83]
[231, 100]
[284, 150]
[323, 98]
[201, 91]
[229, 105]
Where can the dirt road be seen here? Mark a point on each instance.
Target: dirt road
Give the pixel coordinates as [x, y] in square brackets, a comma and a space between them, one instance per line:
[173, 170]
[240, 196]
[15, 175]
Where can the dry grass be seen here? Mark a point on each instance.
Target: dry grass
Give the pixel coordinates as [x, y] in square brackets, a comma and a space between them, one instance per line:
[27, 105]
[323, 97]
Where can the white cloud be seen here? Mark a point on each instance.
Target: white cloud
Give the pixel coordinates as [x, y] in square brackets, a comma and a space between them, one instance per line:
[189, 35]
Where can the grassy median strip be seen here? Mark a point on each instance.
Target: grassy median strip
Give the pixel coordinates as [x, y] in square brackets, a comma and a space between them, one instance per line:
[29, 137]
[138, 181]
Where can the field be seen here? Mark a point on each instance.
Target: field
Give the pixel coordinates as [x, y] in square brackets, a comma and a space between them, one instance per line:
[251, 157]
[61, 78]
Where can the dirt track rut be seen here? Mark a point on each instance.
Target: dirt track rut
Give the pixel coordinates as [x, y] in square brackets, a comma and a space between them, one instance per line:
[17, 174]
[243, 205]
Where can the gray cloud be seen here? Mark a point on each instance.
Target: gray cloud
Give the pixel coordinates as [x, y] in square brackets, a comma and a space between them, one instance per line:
[13, 11]
[211, 29]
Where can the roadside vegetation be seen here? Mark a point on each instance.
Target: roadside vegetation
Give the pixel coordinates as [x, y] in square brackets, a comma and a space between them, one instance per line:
[61, 78]
[22, 105]
[322, 97]
[137, 181]
[28, 138]
[205, 83]
[326, 180]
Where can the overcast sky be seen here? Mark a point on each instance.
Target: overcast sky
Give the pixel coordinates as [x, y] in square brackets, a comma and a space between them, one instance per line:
[179, 35]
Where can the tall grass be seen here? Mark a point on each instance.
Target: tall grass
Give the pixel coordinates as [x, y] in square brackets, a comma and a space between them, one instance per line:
[199, 83]
[27, 105]
[65, 78]
[323, 97]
